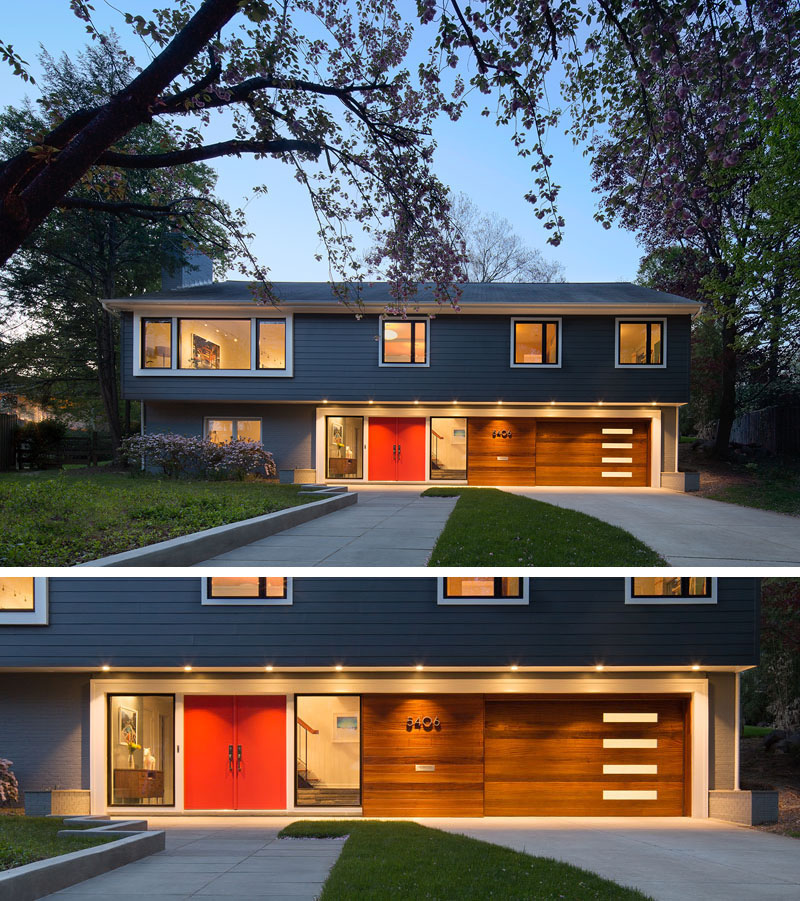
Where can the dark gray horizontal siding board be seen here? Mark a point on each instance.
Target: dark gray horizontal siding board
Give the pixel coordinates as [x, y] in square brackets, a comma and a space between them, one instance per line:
[336, 357]
[379, 622]
[44, 729]
[287, 431]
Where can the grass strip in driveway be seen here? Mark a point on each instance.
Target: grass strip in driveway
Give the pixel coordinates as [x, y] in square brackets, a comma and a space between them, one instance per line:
[386, 860]
[489, 527]
[27, 839]
[60, 519]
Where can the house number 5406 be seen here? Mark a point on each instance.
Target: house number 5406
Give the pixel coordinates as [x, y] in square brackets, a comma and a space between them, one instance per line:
[424, 722]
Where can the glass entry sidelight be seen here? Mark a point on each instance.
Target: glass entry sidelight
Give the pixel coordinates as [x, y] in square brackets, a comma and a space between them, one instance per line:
[141, 758]
[448, 447]
[235, 752]
[328, 751]
[344, 447]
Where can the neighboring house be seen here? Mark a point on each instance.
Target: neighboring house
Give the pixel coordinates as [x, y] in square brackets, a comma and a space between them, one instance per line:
[387, 696]
[539, 384]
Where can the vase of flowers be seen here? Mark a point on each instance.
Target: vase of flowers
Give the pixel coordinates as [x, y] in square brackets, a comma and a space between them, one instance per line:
[132, 748]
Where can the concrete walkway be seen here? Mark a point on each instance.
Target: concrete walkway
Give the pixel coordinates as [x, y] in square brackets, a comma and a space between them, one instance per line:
[220, 860]
[387, 527]
[686, 530]
[668, 859]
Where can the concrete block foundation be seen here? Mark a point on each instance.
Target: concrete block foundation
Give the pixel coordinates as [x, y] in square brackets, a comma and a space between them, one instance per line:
[744, 807]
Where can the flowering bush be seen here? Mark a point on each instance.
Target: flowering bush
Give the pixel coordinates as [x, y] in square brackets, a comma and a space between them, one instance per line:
[9, 787]
[190, 455]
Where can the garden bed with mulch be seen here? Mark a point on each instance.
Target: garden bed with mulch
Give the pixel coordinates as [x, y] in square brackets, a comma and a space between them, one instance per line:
[761, 770]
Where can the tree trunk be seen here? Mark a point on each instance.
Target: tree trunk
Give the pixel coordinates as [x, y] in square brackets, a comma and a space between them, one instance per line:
[107, 374]
[727, 406]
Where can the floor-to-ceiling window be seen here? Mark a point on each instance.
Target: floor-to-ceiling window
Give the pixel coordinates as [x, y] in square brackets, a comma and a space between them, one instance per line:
[141, 750]
[328, 750]
[448, 447]
[344, 445]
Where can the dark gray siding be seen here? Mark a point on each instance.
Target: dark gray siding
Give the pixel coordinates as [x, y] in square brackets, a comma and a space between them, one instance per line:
[44, 729]
[380, 622]
[336, 357]
[287, 430]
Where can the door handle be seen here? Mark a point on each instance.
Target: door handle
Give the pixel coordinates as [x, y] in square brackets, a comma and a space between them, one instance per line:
[238, 758]
[399, 449]
[394, 451]
[230, 758]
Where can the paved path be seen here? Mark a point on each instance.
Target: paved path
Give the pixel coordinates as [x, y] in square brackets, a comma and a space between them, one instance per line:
[387, 527]
[687, 530]
[239, 860]
[668, 859]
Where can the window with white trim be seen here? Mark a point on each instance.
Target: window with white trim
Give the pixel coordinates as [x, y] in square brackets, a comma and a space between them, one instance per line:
[671, 590]
[213, 345]
[23, 601]
[403, 342]
[254, 591]
[641, 342]
[220, 430]
[482, 590]
[535, 342]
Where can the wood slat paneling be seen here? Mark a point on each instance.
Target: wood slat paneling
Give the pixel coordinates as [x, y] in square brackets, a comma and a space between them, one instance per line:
[391, 786]
[570, 452]
[483, 465]
[545, 757]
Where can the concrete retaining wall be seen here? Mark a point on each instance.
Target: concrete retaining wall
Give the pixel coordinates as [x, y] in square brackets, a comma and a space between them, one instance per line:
[744, 807]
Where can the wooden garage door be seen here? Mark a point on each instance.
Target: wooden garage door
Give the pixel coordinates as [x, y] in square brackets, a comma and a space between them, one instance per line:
[501, 451]
[422, 769]
[610, 756]
[609, 452]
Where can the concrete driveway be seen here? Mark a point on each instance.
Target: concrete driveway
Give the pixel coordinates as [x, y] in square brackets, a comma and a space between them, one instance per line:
[668, 859]
[686, 530]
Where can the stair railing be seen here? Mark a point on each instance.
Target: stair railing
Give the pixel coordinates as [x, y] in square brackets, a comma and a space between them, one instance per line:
[302, 745]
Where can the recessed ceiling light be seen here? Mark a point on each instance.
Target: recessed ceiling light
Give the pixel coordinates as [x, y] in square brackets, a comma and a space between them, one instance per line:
[268, 668]
[514, 667]
[695, 666]
[105, 667]
[599, 667]
[418, 667]
[338, 667]
[187, 668]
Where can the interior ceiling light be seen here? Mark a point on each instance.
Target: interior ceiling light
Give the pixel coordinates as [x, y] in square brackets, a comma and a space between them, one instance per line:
[390, 334]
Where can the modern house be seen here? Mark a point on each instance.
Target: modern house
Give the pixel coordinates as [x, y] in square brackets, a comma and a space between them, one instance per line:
[537, 384]
[383, 696]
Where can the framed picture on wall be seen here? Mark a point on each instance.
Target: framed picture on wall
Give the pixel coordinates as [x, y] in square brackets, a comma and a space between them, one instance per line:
[345, 727]
[206, 354]
[128, 725]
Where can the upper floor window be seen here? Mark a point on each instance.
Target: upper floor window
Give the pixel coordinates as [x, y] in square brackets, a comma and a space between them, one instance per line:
[671, 589]
[404, 342]
[220, 431]
[23, 601]
[535, 342]
[223, 346]
[483, 590]
[247, 590]
[641, 342]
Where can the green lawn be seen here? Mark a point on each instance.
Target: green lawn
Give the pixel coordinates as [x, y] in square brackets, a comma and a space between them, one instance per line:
[384, 860]
[60, 519]
[489, 527]
[768, 486]
[26, 839]
[756, 731]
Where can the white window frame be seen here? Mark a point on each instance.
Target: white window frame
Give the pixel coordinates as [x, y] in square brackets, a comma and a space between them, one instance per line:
[513, 348]
[443, 601]
[36, 617]
[641, 366]
[207, 601]
[668, 600]
[382, 320]
[253, 371]
[234, 419]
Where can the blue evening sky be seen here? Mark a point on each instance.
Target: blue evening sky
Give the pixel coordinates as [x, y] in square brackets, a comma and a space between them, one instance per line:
[473, 156]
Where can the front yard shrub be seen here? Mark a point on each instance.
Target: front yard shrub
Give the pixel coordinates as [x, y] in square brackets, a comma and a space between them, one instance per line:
[38, 442]
[189, 455]
[9, 787]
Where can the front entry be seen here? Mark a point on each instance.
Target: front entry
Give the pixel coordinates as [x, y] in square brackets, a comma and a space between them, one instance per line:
[396, 449]
[235, 752]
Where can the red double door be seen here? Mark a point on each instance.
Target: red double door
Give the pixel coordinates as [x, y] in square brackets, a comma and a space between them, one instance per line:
[234, 752]
[396, 449]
